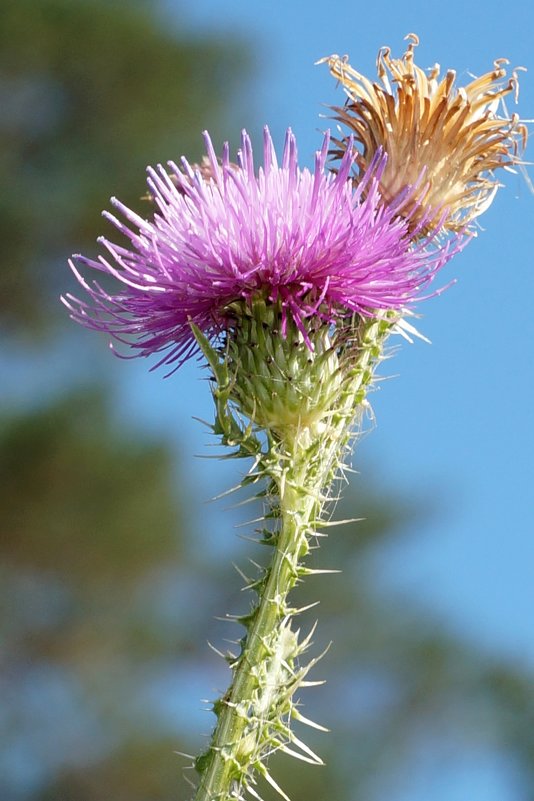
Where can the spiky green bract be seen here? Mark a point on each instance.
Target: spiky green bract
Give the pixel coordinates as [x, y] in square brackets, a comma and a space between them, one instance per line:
[306, 397]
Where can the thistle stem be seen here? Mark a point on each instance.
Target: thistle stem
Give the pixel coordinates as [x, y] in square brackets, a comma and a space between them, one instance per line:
[252, 701]
[306, 401]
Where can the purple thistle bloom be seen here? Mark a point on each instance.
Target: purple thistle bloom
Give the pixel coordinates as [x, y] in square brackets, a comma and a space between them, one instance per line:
[308, 240]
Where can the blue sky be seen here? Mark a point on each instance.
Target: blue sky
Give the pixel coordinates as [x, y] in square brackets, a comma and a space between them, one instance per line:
[454, 423]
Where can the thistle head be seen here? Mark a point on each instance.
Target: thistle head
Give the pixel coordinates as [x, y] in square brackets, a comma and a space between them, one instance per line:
[222, 236]
[444, 140]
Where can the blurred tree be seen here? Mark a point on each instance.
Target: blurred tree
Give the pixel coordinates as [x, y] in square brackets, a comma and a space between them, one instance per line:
[90, 92]
[89, 531]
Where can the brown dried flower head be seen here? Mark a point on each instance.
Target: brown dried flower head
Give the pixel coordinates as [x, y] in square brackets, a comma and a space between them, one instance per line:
[445, 141]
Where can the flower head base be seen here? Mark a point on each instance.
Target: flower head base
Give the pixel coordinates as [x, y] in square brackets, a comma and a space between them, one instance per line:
[308, 241]
[447, 141]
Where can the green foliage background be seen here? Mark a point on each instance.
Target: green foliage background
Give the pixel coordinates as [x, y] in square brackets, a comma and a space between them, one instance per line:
[106, 602]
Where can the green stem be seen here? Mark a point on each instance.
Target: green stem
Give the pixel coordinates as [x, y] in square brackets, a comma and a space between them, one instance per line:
[306, 401]
[234, 749]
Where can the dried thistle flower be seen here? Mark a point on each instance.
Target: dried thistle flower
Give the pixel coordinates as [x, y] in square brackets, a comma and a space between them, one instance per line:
[446, 140]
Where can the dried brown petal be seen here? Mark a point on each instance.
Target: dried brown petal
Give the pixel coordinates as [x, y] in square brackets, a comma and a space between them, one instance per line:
[448, 141]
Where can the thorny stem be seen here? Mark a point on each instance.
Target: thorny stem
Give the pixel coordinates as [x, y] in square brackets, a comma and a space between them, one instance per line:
[234, 738]
[299, 464]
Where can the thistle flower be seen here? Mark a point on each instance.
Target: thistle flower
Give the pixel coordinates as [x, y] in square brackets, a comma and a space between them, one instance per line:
[301, 275]
[307, 240]
[446, 141]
